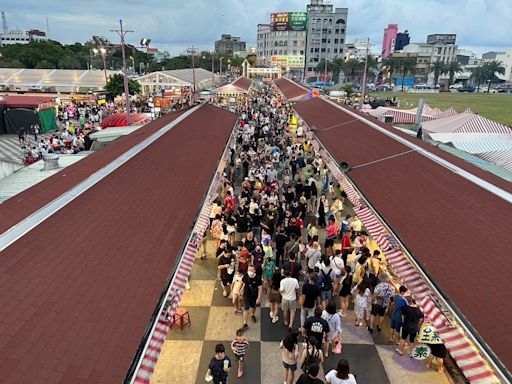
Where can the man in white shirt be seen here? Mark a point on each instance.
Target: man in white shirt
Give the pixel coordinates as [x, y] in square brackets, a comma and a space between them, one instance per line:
[313, 255]
[289, 288]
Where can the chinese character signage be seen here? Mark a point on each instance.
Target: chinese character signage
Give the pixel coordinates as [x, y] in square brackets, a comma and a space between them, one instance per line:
[288, 21]
[428, 335]
[291, 61]
[420, 352]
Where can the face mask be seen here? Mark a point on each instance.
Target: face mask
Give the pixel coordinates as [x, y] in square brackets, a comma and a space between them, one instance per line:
[251, 274]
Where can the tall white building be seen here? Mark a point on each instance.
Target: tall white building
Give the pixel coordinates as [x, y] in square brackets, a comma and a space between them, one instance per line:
[506, 59]
[20, 37]
[282, 43]
[326, 33]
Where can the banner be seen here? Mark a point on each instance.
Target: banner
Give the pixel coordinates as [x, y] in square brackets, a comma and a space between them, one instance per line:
[288, 21]
[290, 61]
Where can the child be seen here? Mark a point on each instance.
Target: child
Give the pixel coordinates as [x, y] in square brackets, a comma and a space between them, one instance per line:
[219, 365]
[268, 270]
[237, 291]
[239, 347]
[361, 302]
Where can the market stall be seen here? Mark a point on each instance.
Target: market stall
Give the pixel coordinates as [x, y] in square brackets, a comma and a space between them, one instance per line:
[27, 111]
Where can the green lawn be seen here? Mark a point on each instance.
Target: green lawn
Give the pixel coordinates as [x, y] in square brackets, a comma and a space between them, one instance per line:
[495, 106]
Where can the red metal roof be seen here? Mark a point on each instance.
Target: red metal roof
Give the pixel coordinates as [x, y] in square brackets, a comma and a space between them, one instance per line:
[457, 231]
[243, 83]
[289, 89]
[120, 120]
[17, 101]
[78, 291]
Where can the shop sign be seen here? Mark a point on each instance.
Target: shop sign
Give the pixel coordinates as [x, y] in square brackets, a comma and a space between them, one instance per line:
[420, 352]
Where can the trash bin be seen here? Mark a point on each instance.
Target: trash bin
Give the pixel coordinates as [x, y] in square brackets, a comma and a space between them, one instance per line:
[51, 161]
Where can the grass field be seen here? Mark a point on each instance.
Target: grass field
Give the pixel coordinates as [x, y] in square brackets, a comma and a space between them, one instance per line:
[494, 106]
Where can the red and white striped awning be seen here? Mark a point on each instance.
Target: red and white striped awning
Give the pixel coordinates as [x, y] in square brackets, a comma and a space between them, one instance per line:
[157, 338]
[469, 360]
[466, 122]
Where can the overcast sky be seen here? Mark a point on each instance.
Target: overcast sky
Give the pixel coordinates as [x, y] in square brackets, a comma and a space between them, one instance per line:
[480, 25]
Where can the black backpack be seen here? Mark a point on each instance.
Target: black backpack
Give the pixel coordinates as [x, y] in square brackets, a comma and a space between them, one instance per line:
[326, 284]
[310, 360]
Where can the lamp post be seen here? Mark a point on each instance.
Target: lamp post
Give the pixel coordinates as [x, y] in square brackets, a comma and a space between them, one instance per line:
[213, 68]
[193, 52]
[103, 52]
[363, 90]
[220, 69]
[122, 33]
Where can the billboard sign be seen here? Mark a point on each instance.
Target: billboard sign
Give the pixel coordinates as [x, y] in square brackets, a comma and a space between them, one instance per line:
[441, 38]
[290, 61]
[288, 21]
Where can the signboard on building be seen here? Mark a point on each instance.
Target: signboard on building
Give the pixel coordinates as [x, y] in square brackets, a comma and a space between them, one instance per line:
[441, 38]
[284, 61]
[288, 21]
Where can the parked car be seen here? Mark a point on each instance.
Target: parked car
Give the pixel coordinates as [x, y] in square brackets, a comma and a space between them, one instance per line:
[468, 88]
[506, 88]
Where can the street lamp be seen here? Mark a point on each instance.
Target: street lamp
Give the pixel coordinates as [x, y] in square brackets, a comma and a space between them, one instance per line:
[220, 68]
[103, 52]
[122, 33]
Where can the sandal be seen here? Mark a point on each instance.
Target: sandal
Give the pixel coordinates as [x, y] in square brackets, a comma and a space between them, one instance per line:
[399, 352]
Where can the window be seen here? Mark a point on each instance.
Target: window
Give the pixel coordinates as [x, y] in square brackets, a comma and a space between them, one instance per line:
[311, 50]
[316, 50]
[335, 50]
[301, 52]
[294, 43]
[323, 49]
[336, 41]
[294, 52]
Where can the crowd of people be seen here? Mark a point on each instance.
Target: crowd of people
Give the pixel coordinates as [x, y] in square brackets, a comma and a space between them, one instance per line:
[282, 228]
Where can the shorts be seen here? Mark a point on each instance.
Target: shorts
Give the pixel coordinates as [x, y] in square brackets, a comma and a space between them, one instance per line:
[396, 324]
[239, 358]
[289, 305]
[226, 280]
[378, 310]
[249, 302]
[274, 296]
[291, 367]
[326, 295]
[411, 332]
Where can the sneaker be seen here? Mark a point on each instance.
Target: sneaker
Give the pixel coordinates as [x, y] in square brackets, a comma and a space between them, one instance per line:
[271, 314]
[253, 318]
[379, 328]
[275, 319]
[370, 330]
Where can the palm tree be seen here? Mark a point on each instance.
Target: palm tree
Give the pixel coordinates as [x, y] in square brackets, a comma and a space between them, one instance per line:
[479, 75]
[407, 65]
[452, 68]
[438, 68]
[338, 65]
[320, 68]
[492, 68]
[352, 67]
[392, 64]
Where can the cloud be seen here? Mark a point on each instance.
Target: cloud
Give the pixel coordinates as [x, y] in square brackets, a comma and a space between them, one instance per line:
[479, 24]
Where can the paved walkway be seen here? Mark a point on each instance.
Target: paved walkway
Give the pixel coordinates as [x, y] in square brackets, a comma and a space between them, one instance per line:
[187, 353]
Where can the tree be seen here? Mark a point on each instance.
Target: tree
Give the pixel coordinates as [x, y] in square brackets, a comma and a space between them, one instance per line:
[407, 65]
[349, 89]
[391, 65]
[115, 85]
[44, 64]
[320, 68]
[438, 68]
[479, 75]
[453, 68]
[338, 65]
[353, 67]
[491, 69]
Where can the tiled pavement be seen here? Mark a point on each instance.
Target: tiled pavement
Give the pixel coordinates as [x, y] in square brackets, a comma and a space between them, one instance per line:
[186, 353]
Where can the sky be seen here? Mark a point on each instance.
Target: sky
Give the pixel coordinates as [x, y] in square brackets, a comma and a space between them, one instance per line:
[480, 25]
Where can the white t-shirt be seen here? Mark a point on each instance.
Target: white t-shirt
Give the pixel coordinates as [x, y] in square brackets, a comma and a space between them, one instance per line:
[288, 287]
[333, 379]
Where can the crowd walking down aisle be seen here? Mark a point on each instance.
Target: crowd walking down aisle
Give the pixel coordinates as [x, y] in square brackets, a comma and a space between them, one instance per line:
[288, 287]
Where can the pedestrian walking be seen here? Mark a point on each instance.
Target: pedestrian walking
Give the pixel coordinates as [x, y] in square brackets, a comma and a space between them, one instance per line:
[239, 346]
[218, 368]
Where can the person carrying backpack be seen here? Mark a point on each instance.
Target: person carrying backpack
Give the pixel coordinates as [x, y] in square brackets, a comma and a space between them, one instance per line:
[311, 355]
[326, 276]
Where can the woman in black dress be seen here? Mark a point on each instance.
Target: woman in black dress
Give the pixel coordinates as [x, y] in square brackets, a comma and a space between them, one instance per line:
[346, 287]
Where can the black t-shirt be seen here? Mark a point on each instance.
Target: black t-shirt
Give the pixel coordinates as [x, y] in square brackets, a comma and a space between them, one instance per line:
[242, 223]
[250, 245]
[289, 196]
[306, 379]
[251, 286]
[281, 240]
[316, 326]
[412, 316]
[311, 292]
[223, 260]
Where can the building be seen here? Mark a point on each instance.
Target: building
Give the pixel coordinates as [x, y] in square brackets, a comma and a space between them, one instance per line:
[388, 41]
[491, 55]
[357, 50]
[326, 33]
[401, 40]
[506, 59]
[282, 42]
[229, 44]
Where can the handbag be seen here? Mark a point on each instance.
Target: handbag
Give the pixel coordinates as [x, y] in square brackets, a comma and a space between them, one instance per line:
[338, 347]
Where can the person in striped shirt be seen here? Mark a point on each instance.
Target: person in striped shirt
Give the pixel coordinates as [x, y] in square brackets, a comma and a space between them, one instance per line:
[239, 346]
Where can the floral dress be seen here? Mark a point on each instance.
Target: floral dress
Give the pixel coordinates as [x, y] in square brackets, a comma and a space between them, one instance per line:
[361, 303]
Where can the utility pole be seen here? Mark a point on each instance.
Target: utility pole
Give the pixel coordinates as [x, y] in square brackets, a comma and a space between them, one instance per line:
[363, 90]
[213, 68]
[122, 33]
[193, 52]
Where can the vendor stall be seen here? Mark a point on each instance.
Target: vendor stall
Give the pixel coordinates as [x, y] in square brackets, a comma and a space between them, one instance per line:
[25, 112]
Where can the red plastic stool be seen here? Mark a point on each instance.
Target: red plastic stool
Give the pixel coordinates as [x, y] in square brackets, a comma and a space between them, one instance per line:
[181, 318]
